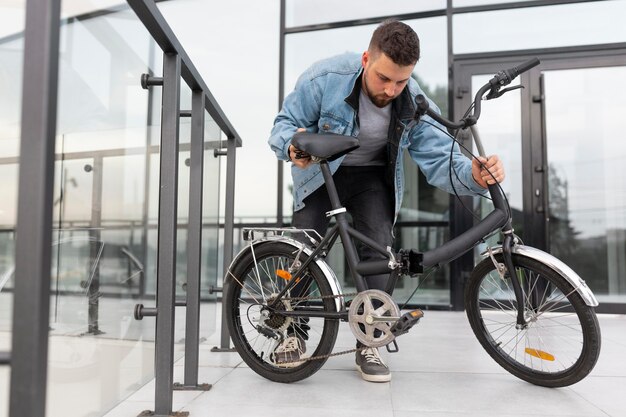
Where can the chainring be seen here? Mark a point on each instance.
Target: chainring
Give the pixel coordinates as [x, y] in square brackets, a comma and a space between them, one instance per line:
[372, 314]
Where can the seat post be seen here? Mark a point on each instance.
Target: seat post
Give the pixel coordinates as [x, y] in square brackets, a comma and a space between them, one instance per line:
[342, 222]
[330, 185]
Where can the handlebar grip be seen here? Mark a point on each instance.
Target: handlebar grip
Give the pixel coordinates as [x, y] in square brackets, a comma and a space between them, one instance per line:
[525, 66]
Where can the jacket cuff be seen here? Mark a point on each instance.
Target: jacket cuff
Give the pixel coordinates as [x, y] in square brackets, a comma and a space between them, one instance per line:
[473, 185]
[286, 151]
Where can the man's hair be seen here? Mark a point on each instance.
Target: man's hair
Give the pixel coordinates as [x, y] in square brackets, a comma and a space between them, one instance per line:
[396, 40]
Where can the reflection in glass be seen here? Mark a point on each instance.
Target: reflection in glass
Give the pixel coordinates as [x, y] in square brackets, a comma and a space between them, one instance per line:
[552, 26]
[12, 16]
[310, 12]
[587, 175]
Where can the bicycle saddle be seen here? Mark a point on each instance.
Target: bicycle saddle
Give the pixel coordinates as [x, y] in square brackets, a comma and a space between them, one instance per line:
[328, 146]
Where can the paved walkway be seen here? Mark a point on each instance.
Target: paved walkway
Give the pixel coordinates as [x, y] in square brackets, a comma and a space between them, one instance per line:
[441, 370]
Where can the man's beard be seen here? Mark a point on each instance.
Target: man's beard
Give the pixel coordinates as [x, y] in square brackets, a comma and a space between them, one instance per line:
[379, 101]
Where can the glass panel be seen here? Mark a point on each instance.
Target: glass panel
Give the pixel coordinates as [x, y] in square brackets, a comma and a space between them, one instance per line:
[500, 129]
[430, 288]
[587, 175]
[234, 84]
[465, 3]
[12, 16]
[303, 49]
[81, 7]
[310, 12]
[101, 238]
[552, 26]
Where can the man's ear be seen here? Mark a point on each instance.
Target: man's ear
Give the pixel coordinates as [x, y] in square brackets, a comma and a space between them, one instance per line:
[365, 58]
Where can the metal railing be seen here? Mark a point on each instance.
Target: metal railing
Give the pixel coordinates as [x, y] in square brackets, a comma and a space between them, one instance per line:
[29, 352]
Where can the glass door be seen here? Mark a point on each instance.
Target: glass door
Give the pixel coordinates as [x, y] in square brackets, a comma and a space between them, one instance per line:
[564, 151]
[586, 167]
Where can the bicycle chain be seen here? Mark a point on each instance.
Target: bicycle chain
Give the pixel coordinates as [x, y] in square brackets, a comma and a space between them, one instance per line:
[330, 355]
[321, 297]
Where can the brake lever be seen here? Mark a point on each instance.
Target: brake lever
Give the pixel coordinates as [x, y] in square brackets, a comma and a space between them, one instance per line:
[495, 93]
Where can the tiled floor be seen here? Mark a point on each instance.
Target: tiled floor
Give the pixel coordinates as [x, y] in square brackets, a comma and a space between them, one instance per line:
[441, 370]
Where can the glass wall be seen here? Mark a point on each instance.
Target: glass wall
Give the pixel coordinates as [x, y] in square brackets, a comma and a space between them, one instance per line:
[586, 176]
[552, 26]
[319, 32]
[311, 12]
[105, 210]
[11, 57]
[421, 201]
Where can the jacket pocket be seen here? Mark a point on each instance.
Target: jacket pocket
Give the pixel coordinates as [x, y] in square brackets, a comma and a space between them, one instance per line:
[329, 123]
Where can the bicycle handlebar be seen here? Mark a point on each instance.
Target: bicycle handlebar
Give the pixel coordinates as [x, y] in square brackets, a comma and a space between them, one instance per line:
[501, 79]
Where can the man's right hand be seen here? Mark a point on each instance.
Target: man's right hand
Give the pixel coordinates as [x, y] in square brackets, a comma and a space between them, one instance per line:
[301, 162]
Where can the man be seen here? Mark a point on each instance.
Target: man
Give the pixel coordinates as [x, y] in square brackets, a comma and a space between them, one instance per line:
[372, 98]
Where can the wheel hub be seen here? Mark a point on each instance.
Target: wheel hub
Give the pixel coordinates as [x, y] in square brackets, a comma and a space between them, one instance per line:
[272, 318]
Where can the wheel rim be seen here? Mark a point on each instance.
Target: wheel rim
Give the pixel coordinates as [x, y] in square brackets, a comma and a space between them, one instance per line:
[258, 285]
[552, 342]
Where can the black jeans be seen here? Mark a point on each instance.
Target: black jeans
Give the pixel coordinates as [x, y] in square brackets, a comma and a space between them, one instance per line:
[364, 192]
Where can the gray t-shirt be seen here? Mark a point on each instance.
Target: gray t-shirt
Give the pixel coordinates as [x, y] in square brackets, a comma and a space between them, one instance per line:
[373, 130]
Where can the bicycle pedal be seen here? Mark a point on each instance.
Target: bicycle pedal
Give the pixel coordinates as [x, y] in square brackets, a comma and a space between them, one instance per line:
[392, 347]
[406, 321]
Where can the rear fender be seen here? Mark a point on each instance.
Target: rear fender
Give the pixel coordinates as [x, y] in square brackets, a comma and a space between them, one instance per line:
[329, 274]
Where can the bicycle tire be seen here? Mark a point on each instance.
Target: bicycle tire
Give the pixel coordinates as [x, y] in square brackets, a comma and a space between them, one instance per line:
[259, 266]
[550, 355]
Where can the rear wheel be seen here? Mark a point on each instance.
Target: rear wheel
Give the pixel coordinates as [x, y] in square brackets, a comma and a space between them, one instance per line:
[254, 281]
[561, 342]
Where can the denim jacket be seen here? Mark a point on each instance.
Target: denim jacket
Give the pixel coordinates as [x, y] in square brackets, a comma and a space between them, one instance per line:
[326, 99]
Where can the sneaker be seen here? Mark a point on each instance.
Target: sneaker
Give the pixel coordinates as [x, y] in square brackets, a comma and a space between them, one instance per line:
[371, 366]
[288, 353]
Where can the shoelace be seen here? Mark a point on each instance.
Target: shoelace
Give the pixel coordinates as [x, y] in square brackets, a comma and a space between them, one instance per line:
[290, 344]
[372, 356]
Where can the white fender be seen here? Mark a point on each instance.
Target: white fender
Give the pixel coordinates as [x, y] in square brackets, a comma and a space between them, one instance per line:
[329, 274]
[557, 265]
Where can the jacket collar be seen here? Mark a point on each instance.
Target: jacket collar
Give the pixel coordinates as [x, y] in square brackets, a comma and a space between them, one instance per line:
[402, 105]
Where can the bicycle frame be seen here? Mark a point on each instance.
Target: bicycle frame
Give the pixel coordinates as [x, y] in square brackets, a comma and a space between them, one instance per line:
[498, 218]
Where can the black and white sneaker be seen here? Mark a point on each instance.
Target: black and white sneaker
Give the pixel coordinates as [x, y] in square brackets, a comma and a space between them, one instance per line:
[288, 353]
[371, 366]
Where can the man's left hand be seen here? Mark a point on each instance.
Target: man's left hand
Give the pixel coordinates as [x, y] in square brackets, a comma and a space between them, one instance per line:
[493, 164]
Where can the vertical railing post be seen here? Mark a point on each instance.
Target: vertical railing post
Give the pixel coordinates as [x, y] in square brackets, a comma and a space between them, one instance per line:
[166, 253]
[194, 245]
[31, 302]
[93, 285]
[229, 224]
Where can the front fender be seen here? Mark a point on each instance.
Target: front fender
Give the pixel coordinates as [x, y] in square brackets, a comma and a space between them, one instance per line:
[329, 274]
[555, 264]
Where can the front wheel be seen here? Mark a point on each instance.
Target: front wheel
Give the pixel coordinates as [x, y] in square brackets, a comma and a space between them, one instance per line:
[560, 343]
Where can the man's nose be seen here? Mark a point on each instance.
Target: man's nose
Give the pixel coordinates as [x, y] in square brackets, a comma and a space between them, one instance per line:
[390, 90]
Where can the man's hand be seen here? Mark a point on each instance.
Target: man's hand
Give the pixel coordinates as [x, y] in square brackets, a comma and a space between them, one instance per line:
[299, 162]
[480, 174]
